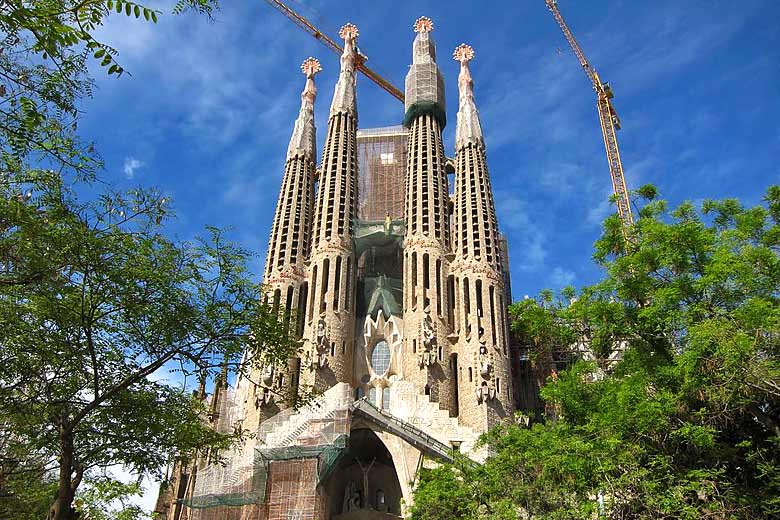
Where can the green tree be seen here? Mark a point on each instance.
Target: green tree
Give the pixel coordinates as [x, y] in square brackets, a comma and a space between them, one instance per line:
[685, 422]
[94, 299]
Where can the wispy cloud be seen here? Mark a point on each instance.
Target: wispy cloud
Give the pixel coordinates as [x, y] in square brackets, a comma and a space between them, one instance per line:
[130, 166]
[561, 277]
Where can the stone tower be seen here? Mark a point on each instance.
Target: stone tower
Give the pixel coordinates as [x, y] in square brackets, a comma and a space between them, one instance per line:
[400, 307]
[479, 285]
[331, 316]
[288, 245]
[426, 243]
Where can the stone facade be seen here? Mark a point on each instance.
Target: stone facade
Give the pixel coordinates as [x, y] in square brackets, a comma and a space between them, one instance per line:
[408, 314]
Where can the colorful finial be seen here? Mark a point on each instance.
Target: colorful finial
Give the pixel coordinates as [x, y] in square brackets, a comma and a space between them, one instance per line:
[348, 31]
[423, 25]
[310, 67]
[463, 53]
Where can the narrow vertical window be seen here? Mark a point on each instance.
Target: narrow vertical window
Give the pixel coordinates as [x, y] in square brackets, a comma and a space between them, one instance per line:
[466, 305]
[348, 296]
[313, 292]
[324, 285]
[414, 280]
[300, 317]
[493, 314]
[277, 297]
[337, 284]
[450, 299]
[478, 290]
[438, 287]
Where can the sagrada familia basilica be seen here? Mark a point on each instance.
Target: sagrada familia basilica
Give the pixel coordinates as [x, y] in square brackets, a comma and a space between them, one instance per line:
[399, 289]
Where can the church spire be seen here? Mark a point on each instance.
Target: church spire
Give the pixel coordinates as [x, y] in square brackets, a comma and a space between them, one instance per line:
[303, 139]
[469, 129]
[424, 86]
[344, 95]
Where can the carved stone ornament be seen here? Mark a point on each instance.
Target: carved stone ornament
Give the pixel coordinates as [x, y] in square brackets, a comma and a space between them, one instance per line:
[320, 343]
[486, 391]
[271, 380]
[486, 385]
[427, 356]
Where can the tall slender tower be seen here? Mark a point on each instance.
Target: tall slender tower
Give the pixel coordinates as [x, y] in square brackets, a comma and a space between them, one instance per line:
[288, 247]
[479, 286]
[331, 316]
[426, 242]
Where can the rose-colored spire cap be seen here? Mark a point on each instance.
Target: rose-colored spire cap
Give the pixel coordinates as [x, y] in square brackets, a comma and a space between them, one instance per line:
[423, 25]
[468, 127]
[303, 139]
[344, 94]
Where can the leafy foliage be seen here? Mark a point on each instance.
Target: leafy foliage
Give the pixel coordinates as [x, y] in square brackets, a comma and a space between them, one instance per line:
[685, 422]
[94, 299]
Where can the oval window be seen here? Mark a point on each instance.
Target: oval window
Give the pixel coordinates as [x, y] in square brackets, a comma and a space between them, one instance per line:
[380, 357]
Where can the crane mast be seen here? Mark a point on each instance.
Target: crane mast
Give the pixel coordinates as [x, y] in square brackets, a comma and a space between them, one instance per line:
[610, 123]
[307, 26]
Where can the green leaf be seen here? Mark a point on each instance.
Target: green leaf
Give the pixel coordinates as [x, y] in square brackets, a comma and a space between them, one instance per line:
[100, 52]
[137, 11]
[154, 16]
[128, 9]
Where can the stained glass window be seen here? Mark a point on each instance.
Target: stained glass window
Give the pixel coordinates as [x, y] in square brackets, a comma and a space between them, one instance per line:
[380, 357]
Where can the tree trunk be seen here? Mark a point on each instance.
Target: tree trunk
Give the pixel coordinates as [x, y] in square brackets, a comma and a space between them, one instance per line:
[62, 508]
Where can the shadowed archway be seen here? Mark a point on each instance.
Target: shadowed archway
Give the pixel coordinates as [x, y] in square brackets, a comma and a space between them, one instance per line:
[365, 483]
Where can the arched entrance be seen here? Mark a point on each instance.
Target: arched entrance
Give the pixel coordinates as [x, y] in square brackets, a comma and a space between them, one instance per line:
[365, 483]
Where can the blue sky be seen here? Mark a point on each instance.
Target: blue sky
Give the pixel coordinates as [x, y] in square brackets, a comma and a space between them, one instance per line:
[208, 108]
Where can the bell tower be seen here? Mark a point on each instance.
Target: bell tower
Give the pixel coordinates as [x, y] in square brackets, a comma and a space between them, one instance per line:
[426, 241]
[330, 315]
[485, 386]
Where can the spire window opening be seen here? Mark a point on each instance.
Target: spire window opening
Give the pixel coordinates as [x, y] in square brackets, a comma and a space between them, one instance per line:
[288, 306]
[450, 299]
[438, 287]
[414, 280]
[303, 294]
[466, 305]
[313, 292]
[337, 284]
[324, 285]
[277, 298]
[348, 296]
[493, 314]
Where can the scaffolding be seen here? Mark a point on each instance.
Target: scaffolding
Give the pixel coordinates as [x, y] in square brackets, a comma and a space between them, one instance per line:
[301, 446]
[381, 172]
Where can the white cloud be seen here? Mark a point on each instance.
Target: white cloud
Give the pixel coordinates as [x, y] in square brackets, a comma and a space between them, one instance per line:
[131, 166]
[560, 277]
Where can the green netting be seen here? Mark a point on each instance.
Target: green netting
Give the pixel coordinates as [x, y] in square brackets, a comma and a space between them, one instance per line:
[382, 293]
[378, 233]
[425, 107]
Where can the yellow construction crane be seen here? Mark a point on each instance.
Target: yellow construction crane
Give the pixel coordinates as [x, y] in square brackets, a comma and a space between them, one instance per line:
[609, 123]
[307, 26]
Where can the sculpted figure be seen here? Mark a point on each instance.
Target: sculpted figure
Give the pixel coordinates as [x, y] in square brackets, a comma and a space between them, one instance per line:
[485, 366]
[321, 336]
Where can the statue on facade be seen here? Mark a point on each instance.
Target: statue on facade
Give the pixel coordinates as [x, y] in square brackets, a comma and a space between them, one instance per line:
[351, 498]
[486, 390]
[365, 469]
[321, 344]
[485, 365]
[427, 356]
